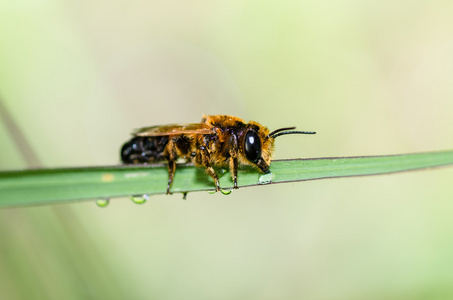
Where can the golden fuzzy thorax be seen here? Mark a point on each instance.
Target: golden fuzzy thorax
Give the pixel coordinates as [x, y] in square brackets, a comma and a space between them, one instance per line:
[221, 123]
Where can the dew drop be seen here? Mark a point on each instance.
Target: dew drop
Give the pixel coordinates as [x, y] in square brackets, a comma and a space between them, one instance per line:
[102, 202]
[223, 191]
[140, 199]
[226, 192]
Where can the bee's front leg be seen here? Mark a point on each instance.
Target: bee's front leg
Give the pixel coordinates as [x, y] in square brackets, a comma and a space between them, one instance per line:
[233, 151]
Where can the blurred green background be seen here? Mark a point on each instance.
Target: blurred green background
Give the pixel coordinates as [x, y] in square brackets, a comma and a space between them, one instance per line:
[371, 77]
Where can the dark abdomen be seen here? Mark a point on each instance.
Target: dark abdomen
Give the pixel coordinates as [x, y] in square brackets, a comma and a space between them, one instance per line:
[144, 149]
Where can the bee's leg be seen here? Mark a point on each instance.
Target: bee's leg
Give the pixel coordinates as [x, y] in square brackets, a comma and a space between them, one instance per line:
[205, 161]
[171, 174]
[170, 151]
[233, 150]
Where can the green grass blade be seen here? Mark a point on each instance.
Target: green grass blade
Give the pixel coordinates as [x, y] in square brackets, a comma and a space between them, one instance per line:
[45, 186]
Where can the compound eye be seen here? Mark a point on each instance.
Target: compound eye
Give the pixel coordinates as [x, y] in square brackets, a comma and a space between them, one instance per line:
[252, 146]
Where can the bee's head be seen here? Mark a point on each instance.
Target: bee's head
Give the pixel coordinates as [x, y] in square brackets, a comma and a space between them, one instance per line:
[258, 144]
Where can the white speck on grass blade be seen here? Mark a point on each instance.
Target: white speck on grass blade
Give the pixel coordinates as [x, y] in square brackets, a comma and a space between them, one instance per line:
[266, 178]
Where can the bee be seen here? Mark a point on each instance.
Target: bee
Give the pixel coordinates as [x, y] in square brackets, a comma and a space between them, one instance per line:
[217, 141]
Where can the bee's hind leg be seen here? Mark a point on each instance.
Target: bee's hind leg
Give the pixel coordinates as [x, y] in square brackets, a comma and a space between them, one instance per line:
[171, 174]
[170, 153]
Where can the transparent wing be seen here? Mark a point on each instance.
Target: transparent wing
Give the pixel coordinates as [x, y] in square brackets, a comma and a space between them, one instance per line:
[174, 129]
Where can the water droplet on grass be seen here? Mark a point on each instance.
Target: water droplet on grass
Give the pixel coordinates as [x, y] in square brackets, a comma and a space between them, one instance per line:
[226, 192]
[102, 202]
[140, 199]
[223, 191]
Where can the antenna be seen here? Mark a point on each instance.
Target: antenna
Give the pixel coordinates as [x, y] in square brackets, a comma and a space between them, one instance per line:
[282, 131]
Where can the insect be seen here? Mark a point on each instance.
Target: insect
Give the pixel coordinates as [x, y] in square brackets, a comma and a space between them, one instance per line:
[217, 141]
